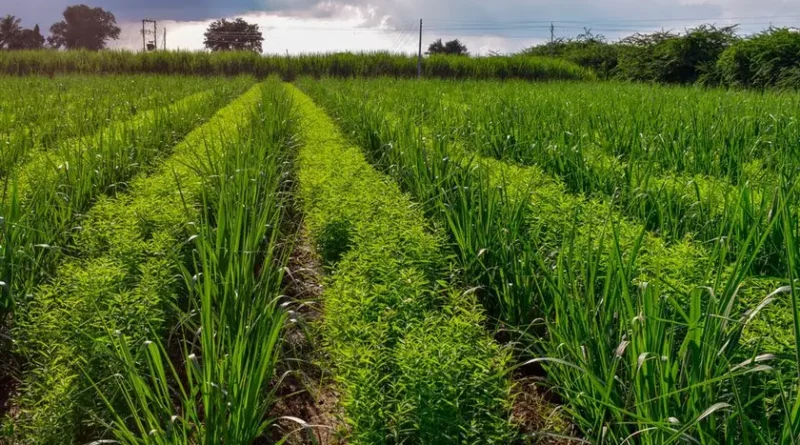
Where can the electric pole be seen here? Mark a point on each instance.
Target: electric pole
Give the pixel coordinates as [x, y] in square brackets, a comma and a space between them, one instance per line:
[153, 44]
[419, 54]
[164, 40]
[552, 38]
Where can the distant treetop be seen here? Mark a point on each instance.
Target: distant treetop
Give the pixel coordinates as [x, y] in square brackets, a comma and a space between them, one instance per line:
[84, 28]
[13, 36]
[453, 48]
[236, 35]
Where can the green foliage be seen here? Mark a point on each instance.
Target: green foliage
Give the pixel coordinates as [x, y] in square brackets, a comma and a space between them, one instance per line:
[587, 50]
[672, 58]
[85, 28]
[391, 322]
[288, 67]
[38, 113]
[225, 388]
[235, 35]
[765, 60]
[452, 48]
[119, 280]
[707, 54]
[644, 337]
[44, 198]
[334, 240]
[608, 142]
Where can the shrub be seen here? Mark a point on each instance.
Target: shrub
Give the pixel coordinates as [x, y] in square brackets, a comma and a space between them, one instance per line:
[771, 58]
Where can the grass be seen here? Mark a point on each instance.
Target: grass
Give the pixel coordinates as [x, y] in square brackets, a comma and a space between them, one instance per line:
[633, 247]
[119, 276]
[288, 67]
[411, 359]
[642, 339]
[222, 387]
[39, 113]
[43, 200]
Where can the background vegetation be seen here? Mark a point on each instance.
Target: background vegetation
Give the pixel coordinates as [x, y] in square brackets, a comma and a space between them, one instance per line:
[707, 54]
[647, 335]
[288, 67]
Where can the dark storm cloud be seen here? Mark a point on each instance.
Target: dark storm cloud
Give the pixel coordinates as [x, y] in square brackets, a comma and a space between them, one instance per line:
[49, 11]
[464, 17]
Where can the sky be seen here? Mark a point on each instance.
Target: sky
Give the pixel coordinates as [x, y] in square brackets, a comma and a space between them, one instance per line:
[485, 26]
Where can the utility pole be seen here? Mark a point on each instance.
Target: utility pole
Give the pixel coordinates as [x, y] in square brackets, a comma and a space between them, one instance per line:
[152, 45]
[164, 40]
[419, 55]
[552, 39]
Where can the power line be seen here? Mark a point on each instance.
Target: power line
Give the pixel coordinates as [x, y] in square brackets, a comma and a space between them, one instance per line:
[612, 20]
[527, 26]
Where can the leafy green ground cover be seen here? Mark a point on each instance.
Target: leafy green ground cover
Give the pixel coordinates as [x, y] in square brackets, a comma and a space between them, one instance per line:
[219, 384]
[37, 112]
[411, 357]
[120, 276]
[630, 329]
[43, 200]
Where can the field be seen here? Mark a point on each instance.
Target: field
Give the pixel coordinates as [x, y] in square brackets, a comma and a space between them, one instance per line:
[231, 260]
[47, 62]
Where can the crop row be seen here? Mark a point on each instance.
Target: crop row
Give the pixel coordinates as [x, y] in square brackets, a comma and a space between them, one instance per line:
[289, 67]
[43, 200]
[217, 385]
[672, 204]
[178, 248]
[717, 133]
[121, 276]
[410, 354]
[634, 342]
[38, 112]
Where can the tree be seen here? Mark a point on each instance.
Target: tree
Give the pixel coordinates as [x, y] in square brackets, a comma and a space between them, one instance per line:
[28, 39]
[453, 48]
[9, 30]
[236, 35]
[12, 36]
[84, 28]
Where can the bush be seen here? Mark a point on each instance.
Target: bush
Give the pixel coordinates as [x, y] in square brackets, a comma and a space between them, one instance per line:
[771, 58]
[661, 56]
[587, 50]
[673, 58]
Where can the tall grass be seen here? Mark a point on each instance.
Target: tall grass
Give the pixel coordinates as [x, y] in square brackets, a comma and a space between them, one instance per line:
[222, 386]
[411, 359]
[119, 274]
[44, 199]
[565, 131]
[37, 113]
[660, 357]
[289, 67]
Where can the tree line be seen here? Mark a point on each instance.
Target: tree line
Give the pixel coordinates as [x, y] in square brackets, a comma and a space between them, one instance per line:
[707, 55]
[83, 27]
[88, 28]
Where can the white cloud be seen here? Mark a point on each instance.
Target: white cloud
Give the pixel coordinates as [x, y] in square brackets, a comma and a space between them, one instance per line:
[347, 32]
[340, 25]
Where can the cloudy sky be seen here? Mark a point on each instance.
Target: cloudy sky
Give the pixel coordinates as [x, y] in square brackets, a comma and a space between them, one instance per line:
[298, 26]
